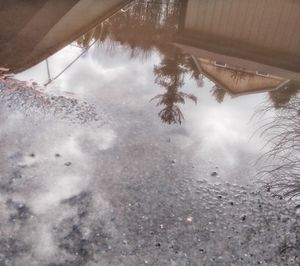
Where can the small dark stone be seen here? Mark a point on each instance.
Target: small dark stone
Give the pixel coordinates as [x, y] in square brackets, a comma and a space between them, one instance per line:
[244, 218]
[231, 203]
[32, 155]
[57, 155]
[68, 164]
[157, 244]
[220, 197]
[214, 173]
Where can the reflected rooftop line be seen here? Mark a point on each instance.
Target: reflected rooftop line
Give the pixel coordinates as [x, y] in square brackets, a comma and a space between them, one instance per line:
[32, 32]
[227, 50]
[259, 31]
[190, 36]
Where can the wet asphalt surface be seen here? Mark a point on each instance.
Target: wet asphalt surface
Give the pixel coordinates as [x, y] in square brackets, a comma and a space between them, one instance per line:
[81, 186]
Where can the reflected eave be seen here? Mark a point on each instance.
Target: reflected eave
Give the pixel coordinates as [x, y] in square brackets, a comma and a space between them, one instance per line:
[245, 39]
[46, 27]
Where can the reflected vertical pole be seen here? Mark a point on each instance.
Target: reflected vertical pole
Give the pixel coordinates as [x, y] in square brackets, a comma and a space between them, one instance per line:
[48, 71]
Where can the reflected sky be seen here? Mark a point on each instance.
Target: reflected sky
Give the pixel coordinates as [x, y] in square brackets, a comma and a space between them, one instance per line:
[137, 67]
[212, 134]
[137, 133]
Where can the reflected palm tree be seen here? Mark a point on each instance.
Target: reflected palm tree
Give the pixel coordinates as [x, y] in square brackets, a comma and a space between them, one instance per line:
[144, 27]
[171, 113]
[171, 74]
[149, 26]
[280, 98]
[218, 93]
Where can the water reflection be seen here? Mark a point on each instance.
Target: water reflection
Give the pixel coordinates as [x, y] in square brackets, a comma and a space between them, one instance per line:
[218, 93]
[281, 173]
[31, 31]
[171, 74]
[277, 98]
[244, 34]
[282, 97]
[189, 46]
[148, 26]
[117, 187]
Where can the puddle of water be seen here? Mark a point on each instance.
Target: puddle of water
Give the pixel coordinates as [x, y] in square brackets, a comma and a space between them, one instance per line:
[141, 136]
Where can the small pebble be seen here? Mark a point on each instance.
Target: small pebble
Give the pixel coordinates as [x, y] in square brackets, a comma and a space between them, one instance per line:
[189, 219]
[68, 164]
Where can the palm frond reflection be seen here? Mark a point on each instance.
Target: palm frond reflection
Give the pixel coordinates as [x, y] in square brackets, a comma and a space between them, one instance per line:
[144, 27]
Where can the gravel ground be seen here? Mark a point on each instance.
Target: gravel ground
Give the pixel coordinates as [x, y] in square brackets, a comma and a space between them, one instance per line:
[29, 99]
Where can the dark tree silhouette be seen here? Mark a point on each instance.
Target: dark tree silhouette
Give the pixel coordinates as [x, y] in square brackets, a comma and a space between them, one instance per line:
[171, 74]
[281, 97]
[148, 26]
[218, 93]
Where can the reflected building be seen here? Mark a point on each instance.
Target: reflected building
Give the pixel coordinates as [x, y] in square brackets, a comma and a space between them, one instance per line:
[237, 80]
[47, 26]
[31, 31]
[243, 46]
[143, 28]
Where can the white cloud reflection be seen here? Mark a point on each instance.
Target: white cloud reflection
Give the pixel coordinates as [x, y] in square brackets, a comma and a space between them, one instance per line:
[214, 132]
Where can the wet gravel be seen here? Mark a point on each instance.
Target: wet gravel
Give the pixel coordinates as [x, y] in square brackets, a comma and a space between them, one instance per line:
[29, 99]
